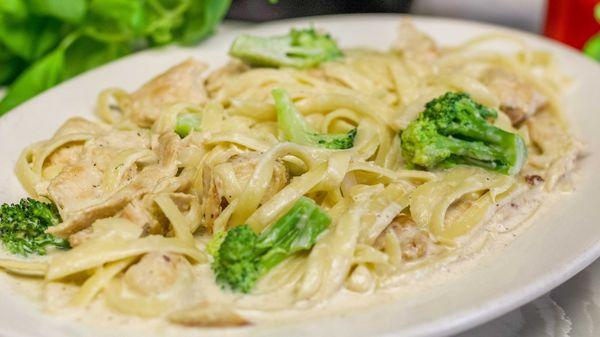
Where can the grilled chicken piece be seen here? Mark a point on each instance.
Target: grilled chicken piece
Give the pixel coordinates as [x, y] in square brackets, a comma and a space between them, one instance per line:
[83, 218]
[208, 315]
[66, 190]
[100, 150]
[97, 149]
[224, 182]
[154, 221]
[67, 155]
[555, 152]
[181, 84]
[167, 149]
[518, 99]
[81, 237]
[415, 44]
[139, 215]
[146, 215]
[155, 273]
[78, 185]
[414, 242]
[219, 77]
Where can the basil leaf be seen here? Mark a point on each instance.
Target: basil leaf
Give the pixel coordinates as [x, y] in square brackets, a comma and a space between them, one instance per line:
[32, 38]
[87, 53]
[72, 11]
[108, 30]
[48, 37]
[10, 66]
[164, 17]
[128, 12]
[43, 42]
[40, 76]
[16, 8]
[201, 19]
[124, 19]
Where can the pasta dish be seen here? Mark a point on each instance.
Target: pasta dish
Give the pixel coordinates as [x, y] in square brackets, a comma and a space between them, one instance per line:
[297, 170]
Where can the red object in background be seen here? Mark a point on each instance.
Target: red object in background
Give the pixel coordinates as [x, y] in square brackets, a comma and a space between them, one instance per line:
[571, 21]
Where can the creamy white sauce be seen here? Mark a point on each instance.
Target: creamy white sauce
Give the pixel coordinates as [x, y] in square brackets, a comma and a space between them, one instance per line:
[492, 238]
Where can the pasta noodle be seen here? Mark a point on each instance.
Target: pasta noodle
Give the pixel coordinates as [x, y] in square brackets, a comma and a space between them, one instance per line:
[93, 285]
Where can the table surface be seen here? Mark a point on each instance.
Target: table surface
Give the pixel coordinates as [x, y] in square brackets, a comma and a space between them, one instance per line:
[571, 310]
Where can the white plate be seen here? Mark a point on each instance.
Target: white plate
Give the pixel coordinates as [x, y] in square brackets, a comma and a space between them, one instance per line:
[560, 242]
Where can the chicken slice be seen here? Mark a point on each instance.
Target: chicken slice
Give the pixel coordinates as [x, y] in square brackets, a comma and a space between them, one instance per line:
[414, 242]
[102, 149]
[81, 219]
[155, 273]
[181, 84]
[104, 204]
[415, 44]
[81, 237]
[208, 314]
[138, 213]
[219, 77]
[79, 183]
[518, 99]
[76, 187]
[67, 155]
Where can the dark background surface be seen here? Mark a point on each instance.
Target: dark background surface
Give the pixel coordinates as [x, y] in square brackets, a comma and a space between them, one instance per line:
[263, 10]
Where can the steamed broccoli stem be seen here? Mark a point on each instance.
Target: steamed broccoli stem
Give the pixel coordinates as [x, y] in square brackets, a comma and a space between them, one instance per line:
[186, 123]
[235, 264]
[299, 49]
[453, 130]
[297, 231]
[428, 148]
[487, 146]
[244, 256]
[296, 129]
[23, 227]
[267, 52]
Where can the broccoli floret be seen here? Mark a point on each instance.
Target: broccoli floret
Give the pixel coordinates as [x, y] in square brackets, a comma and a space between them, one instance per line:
[244, 256]
[301, 48]
[236, 261]
[23, 227]
[453, 130]
[295, 128]
[186, 123]
[212, 246]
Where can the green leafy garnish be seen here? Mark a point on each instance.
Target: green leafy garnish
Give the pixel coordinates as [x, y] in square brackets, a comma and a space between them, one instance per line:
[44, 42]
